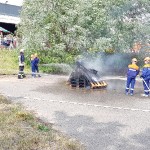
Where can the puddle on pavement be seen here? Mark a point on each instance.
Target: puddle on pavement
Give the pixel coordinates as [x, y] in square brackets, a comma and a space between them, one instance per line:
[114, 90]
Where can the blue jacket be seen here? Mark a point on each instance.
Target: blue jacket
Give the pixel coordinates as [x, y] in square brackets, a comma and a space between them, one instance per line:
[22, 59]
[33, 63]
[133, 71]
[36, 61]
[146, 72]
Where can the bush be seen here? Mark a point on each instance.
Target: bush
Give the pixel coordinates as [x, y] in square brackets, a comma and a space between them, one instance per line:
[56, 68]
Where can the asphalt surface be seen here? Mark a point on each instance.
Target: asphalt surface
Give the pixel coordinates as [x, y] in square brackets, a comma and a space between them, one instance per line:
[103, 119]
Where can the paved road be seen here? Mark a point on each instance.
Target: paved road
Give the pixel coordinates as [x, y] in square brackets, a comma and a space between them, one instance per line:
[101, 119]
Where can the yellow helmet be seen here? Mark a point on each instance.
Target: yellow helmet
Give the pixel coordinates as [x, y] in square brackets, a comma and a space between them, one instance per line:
[35, 54]
[147, 59]
[32, 57]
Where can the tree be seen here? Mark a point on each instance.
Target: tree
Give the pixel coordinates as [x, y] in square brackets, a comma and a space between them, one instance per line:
[77, 25]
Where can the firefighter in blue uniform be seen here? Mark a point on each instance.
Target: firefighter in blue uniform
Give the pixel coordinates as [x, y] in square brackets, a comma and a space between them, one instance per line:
[133, 71]
[21, 58]
[36, 64]
[33, 65]
[146, 77]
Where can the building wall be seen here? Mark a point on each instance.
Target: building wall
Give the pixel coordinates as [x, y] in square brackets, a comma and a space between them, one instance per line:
[9, 16]
[10, 10]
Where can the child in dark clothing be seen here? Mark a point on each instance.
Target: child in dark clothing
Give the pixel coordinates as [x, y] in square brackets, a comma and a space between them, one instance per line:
[133, 71]
[21, 58]
[33, 65]
[36, 64]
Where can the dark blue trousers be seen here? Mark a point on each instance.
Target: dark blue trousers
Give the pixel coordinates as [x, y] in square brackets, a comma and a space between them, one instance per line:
[33, 70]
[130, 84]
[37, 68]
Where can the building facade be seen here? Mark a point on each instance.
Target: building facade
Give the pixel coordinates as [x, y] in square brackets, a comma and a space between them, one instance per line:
[9, 16]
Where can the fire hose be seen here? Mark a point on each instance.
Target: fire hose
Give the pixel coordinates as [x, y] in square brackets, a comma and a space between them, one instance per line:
[146, 84]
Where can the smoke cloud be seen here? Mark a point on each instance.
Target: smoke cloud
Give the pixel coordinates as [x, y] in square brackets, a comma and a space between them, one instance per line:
[112, 64]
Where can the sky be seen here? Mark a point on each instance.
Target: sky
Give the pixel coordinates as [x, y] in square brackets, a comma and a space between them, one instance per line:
[12, 2]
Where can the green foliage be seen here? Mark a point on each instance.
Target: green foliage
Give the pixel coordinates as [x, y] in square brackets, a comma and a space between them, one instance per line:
[56, 68]
[52, 69]
[43, 128]
[82, 25]
[55, 56]
[8, 62]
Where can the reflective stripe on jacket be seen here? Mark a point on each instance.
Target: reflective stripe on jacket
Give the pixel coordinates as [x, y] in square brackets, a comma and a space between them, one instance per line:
[21, 60]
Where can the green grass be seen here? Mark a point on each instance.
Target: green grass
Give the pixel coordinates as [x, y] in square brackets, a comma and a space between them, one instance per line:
[9, 62]
[21, 130]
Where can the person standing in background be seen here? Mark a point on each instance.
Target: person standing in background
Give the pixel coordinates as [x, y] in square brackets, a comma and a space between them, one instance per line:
[133, 71]
[21, 58]
[32, 63]
[36, 64]
[146, 77]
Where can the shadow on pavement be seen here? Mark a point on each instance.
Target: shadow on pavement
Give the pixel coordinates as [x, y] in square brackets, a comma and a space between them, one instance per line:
[101, 136]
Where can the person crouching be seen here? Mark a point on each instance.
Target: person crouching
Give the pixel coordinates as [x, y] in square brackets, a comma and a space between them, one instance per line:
[133, 71]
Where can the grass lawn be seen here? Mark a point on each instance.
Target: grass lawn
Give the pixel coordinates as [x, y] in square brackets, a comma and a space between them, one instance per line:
[9, 62]
[21, 130]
